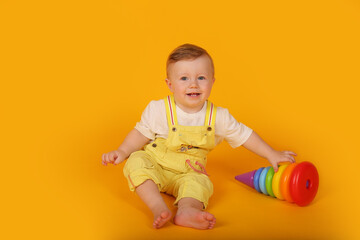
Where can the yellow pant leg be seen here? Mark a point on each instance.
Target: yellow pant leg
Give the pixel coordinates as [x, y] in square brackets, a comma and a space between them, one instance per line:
[192, 184]
[140, 167]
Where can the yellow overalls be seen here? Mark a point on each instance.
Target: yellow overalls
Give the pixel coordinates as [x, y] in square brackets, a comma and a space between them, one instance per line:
[176, 164]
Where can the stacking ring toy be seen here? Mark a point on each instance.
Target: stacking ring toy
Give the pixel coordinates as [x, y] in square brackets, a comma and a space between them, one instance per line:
[276, 182]
[268, 181]
[304, 183]
[296, 182]
[285, 182]
[262, 181]
[256, 179]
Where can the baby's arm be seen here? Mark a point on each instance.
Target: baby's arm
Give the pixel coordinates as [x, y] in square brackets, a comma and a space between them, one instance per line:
[261, 148]
[134, 141]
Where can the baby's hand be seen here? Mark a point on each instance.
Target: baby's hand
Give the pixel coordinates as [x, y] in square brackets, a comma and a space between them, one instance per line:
[115, 157]
[281, 156]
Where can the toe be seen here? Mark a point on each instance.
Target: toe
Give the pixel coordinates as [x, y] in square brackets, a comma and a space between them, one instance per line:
[209, 217]
[161, 219]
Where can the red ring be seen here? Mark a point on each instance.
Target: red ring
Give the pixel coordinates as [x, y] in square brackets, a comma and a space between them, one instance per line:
[304, 183]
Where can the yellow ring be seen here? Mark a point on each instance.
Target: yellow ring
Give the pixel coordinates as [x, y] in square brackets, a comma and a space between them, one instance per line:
[276, 182]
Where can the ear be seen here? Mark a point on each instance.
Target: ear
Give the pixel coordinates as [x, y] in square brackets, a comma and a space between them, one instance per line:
[213, 80]
[168, 83]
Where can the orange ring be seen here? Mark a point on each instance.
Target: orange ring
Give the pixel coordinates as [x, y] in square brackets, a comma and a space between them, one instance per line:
[285, 181]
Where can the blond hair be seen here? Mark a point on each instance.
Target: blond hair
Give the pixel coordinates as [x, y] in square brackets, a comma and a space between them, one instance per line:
[187, 52]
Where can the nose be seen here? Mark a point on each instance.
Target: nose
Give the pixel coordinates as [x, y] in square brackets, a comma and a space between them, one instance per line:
[194, 83]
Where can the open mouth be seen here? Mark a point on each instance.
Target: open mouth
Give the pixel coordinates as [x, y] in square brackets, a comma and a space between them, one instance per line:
[193, 94]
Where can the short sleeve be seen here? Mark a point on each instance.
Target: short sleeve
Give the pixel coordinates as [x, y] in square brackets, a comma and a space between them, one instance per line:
[145, 126]
[235, 133]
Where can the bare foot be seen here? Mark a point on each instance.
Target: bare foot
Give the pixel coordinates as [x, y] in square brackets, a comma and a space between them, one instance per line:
[162, 218]
[194, 218]
[150, 195]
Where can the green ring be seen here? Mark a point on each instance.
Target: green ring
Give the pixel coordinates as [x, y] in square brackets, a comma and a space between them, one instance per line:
[268, 181]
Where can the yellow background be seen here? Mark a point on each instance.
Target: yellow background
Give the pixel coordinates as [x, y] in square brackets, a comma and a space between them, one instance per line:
[76, 76]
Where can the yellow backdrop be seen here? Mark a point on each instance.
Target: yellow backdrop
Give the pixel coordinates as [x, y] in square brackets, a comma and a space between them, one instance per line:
[76, 76]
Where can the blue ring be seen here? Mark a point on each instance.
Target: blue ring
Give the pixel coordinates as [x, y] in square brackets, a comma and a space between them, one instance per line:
[256, 179]
[262, 181]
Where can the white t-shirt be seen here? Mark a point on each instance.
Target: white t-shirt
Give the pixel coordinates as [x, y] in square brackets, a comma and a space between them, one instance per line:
[153, 123]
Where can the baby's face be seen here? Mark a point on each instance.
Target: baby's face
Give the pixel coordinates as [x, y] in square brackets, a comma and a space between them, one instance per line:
[191, 82]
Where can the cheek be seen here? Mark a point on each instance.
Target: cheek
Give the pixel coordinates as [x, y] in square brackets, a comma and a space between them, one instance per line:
[178, 88]
[207, 86]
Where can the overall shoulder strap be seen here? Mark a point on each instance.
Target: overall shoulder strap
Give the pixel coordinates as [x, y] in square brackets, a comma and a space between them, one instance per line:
[170, 110]
[210, 114]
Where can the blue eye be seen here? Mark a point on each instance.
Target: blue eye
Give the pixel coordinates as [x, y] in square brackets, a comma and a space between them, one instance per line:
[183, 78]
[201, 78]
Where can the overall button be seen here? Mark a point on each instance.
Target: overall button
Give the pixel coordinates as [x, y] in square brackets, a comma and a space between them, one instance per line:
[174, 129]
[154, 145]
[209, 128]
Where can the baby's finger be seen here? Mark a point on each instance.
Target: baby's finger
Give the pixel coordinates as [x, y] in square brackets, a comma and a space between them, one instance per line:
[286, 159]
[112, 157]
[292, 159]
[117, 161]
[108, 157]
[104, 159]
[290, 153]
[275, 167]
[118, 158]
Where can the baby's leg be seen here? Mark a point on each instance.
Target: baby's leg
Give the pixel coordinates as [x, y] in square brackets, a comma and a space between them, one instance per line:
[190, 214]
[150, 195]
